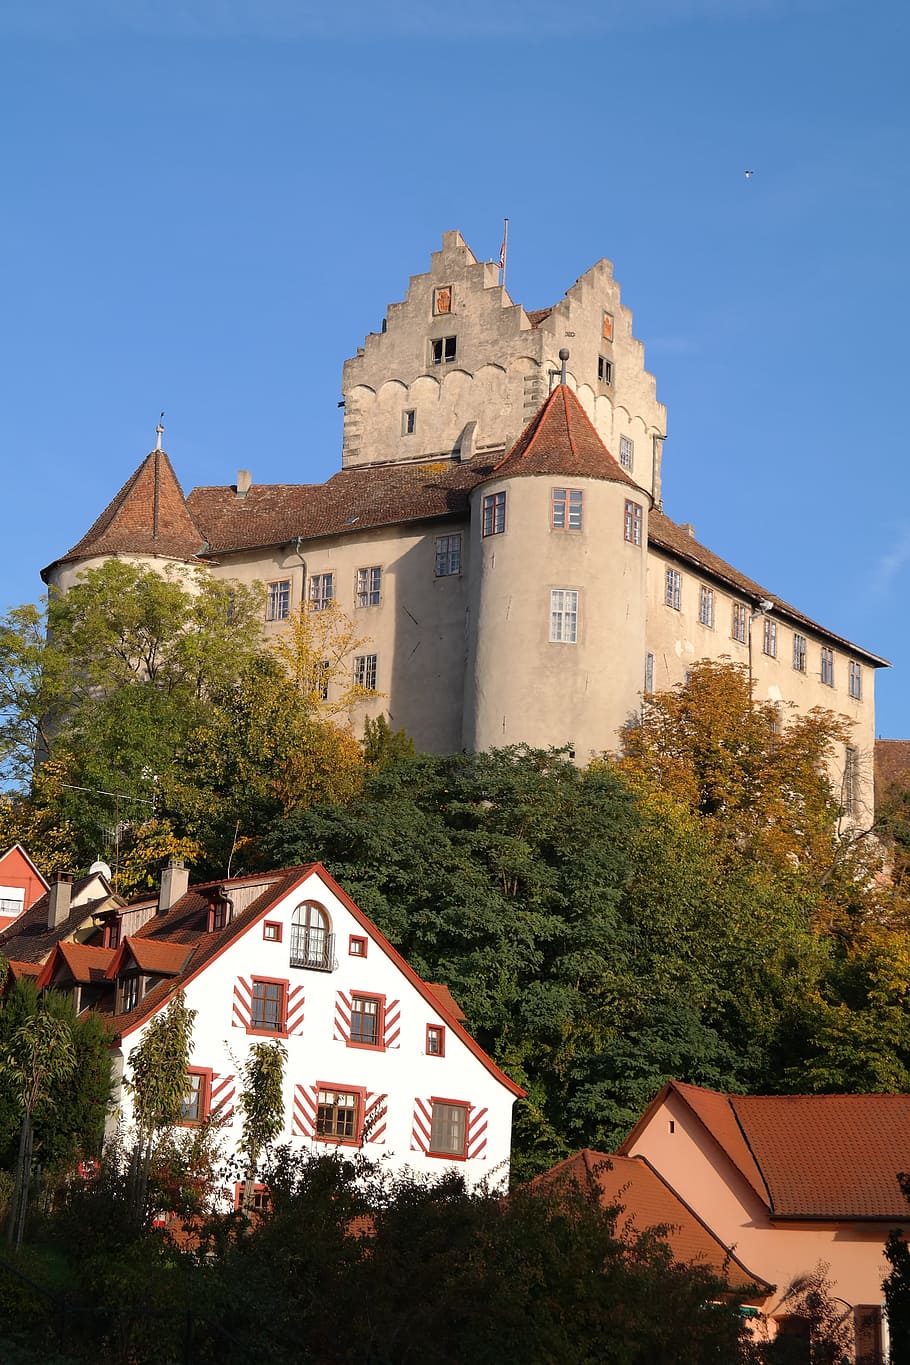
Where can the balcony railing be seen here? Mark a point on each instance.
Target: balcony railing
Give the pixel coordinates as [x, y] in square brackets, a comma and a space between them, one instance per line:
[312, 948]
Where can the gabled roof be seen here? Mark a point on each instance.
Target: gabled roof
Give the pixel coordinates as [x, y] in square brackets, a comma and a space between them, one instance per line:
[647, 1201]
[28, 939]
[16, 861]
[149, 955]
[445, 998]
[18, 970]
[562, 441]
[81, 962]
[808, 1157]
[185, 926]
[148, 516]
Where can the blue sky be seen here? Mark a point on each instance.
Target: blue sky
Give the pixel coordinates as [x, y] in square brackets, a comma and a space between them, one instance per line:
[207, 204]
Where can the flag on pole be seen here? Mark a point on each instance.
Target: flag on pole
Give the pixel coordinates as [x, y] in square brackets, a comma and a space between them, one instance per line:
[503, 251]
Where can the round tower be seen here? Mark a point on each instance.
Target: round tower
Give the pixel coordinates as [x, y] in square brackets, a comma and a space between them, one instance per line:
[557, 596]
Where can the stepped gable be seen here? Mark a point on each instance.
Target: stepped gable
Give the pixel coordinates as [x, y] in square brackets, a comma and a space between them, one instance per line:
[356, 499]
[561, 440]
[147, 517]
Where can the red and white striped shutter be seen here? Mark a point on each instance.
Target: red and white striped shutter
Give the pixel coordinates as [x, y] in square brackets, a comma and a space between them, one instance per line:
[477, 1134]
[342, 1032]
[421, 1126]
[306, 1103]
[391, 1027]
[243, 1003]
[375, 1112]
[222, 1100]
[295, 1010]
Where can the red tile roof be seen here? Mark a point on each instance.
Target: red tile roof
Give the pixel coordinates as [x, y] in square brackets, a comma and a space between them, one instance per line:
[561, 440]
[155, 958]
[447, 1000]
[83, 963]
[809, 1157]
[892, 767]
[148, 516]
[28, 939]
[648, 1202]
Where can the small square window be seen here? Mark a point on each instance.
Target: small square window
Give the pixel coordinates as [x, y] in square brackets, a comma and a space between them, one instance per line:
[322, 591]
[563, 616]
[856, 681]
[769, 638]
[632, 522]
[271, 931]
[706, 607]
[357, 946]
[409, 422]
[827, 666]
[369, 587]
[442, 350]
[365, 672]
[436, 1040]
[448, 1129]
[442, 300]
[494, 514]
[366, 1020]
[673, 589]
[278, 600]
[626, 452]
[739, 625]
[604, 370]
[799, 653]
[566, 509]
[448, 555]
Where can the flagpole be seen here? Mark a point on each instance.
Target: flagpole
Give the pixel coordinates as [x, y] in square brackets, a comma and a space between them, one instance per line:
[504, 252]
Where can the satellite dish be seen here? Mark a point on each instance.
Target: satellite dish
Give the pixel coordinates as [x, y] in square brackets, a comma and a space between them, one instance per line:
[103, 868]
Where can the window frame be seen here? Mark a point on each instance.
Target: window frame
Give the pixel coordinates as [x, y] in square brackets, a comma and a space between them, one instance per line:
[564, 618]
[769, 637]
[739, 623]
[465, 1108]
[706, 606]
[604, 370]
[272, 924]
[278, 602]
[626, 453]
[800, 652]
[493, 514]
[359, 1095]
[369, 997]
[321, 600]
[257, 1029]
[204, 1091]
[409, 422]
[855, 680]
[368, 587]
[673, 589]
[827, 666]
[567, 509]
[129, 992]
[312, 941]
[362, 945]
[633, 522]
[443, 350]
[447, 552]
[440, 1031]
[362, 665]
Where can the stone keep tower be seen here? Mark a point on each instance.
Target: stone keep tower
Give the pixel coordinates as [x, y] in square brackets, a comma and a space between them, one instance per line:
[459, 369]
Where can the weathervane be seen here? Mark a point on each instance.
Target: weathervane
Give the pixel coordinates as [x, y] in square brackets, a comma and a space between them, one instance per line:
[160, 430]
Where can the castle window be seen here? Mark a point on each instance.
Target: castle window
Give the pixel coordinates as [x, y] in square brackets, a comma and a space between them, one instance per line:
[604, 370]
[799, 653]
[827, 666]
[409, 422]
[673, 589]
[632, 522]
[769, 638]
[442, 350]
[278, 600]
[494, 514]
[448, 555]
[448, 1129]
[442, 300]
[856, 681]
[626, 451]
[565, 509]
[369, 587]
[563, 616]
[740, 623]
[365, 672]
[706, 607]
[322, 591]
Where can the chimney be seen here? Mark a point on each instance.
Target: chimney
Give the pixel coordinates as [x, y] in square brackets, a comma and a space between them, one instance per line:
[244, 482]
[58, 900]
[175, 880]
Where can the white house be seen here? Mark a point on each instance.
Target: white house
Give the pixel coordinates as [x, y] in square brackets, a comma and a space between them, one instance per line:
[376, 1056]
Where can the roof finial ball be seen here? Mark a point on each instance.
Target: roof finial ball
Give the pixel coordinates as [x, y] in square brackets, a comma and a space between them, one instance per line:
[160, 431]
[564, 356]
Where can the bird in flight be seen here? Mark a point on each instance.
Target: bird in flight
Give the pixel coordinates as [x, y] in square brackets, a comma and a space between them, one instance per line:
[748, 175]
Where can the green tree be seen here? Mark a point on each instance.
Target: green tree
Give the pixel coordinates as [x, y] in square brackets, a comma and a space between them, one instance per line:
[261, 1105]
[383, 746]
[157, 1085]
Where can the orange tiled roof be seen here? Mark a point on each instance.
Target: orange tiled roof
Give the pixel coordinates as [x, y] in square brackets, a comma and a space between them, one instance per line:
[28, 939]
[85, 963]
[561, 440]
[149, 955]
[647, 1202]
[892, 766]
[447, 1000]
[148, 516]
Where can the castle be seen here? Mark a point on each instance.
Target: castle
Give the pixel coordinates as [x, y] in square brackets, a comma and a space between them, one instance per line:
[496, 530]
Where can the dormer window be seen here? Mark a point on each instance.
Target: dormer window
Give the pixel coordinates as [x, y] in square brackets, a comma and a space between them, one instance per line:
[129, 993]
[111, 935]
[219, 915]
[312, 940]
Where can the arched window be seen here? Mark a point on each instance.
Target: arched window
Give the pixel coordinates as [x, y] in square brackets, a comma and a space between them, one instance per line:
[312, 940]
